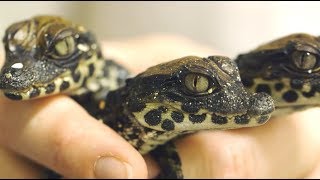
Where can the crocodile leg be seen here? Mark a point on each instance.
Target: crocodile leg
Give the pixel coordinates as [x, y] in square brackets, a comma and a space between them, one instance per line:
[169, 161]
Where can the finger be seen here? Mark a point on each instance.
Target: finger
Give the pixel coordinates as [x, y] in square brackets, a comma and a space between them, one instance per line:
[153, 168]
[285, 147]
[59, 134]
[14, 166]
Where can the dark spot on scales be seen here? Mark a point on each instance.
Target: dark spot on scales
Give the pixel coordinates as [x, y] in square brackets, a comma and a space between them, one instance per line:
[243, 119]
[167, 125]
[263, 88]
[218, 119]
[177, 116]
[279, 86]
[296, 84]
[84, 81]
[247, 82]
[263, 119]
[34, 93]
[197, 118]
[153, 117]
[76, 76]
[133, 135]
[91, 69]
[64, 85]
[13, 96]
[290, 96]
[309, 94]
[140, 143]
[99, 54]
[50, 88]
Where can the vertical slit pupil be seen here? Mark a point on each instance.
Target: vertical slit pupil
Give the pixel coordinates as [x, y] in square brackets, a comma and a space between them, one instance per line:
[67, 45]
[195, 81]
[303, 59]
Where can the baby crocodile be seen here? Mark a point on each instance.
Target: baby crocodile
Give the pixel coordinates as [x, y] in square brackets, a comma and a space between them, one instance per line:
[287, 68]
[47, 55]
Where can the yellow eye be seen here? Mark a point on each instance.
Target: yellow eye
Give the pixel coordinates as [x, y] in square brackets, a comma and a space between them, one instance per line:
[304, 60]
[196, 83]
[65, 46]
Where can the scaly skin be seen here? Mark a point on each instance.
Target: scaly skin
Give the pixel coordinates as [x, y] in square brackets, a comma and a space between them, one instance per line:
[287, 68]
[47, 55]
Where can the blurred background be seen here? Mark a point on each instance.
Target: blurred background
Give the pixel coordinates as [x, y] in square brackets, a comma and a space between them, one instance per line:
[230, 27]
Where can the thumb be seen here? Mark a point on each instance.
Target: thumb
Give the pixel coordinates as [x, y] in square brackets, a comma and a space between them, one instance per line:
[60, 134]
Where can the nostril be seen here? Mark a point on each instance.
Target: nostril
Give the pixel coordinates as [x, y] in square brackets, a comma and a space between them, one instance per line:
[10, 75]
[16, 69]
[15, 72]
[15, 76]
[261, 104]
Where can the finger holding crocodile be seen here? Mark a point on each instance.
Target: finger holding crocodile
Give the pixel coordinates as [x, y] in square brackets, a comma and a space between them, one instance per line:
[57, 133]
[116, 50]
[15, 166]
[286, 147]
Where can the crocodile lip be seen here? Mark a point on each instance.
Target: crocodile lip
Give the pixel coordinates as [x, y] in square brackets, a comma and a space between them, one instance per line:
[13, 96]
[15, 91]
[23, 94]
[297, 105]
[16, 95]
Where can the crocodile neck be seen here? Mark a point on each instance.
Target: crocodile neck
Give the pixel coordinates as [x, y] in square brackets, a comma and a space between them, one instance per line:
[115, 114]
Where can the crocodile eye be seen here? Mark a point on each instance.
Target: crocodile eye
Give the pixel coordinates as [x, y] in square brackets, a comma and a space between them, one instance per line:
[196, 83]
[304, 60]
[65, 46]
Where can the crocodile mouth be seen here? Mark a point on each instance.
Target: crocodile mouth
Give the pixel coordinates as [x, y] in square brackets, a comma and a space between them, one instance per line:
[298, 106]
[25, 94]
[59, 85]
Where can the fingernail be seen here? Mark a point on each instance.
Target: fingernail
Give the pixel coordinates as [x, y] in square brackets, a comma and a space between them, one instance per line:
[110, 167]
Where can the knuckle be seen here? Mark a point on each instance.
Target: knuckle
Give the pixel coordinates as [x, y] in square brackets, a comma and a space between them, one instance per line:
[60, 141]
[236, 160]
[65, 144]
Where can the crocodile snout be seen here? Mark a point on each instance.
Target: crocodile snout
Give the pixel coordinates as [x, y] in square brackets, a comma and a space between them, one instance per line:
[261, 104]
[11, 78]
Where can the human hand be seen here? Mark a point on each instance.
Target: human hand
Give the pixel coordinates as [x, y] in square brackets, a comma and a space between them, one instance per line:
[57, 133]
[283, 147]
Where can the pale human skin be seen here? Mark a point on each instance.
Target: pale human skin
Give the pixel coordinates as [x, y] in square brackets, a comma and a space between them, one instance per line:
[56, 132]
